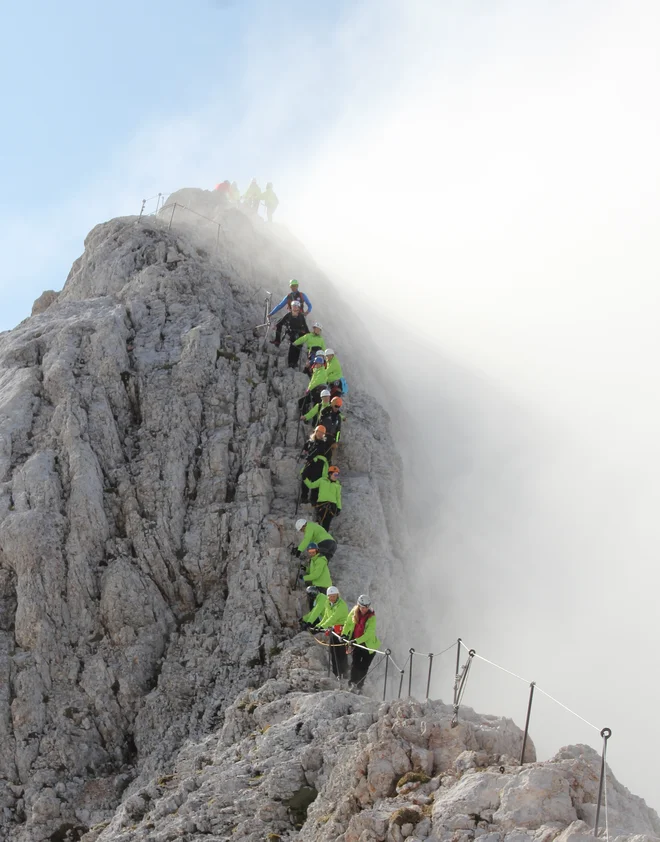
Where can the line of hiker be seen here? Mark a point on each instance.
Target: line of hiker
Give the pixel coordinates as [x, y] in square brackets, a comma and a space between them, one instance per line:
[346, 632]
[252, 198]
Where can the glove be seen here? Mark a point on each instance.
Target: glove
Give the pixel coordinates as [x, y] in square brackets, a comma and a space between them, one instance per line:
[301, 576]
[295, 552]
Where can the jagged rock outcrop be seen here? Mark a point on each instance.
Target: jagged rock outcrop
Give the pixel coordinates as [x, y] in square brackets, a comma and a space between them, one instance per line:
[148, 481]
[153, 684]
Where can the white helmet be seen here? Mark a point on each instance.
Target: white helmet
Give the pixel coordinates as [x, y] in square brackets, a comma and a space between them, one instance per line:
[318, 324]
[326, 393]
[332, 590]
[363, 599]
[329, 351]
[300, 524]
[295, 303]
[319, 352]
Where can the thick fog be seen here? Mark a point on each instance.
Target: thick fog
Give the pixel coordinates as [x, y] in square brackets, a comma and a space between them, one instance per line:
[490, 198]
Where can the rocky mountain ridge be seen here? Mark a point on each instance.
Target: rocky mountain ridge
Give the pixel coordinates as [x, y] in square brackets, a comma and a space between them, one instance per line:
[153, 684]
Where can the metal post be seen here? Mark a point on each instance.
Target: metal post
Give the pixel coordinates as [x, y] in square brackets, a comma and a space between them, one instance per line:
[412, 655]
[144, 202]
[606, 733]
[217, 240]
[428, 681]
[387, 664]
[169, 227]
[158, 201]
[401, 674]
[330, 659]
[458, 666]
[461, 687]
[529, 713]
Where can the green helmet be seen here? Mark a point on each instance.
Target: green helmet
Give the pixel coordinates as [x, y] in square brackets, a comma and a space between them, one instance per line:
[293, 283]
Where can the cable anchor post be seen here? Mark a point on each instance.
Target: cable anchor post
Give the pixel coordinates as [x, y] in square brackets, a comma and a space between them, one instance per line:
[428, 680]
[458, 667]
[412, 655]
[606, 733]
[144, 202]
[529, 713]
[169, 226]
[461, 687]
[402, 672]
[387, 663]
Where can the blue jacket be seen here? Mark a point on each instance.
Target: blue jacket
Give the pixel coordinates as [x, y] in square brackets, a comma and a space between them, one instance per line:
[285, 300]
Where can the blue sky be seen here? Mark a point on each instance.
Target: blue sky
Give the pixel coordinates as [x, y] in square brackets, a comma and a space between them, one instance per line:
[93, 82]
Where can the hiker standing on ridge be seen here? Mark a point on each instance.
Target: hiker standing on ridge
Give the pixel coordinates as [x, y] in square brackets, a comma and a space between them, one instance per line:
[328, 495]
[312, 341]
[318, 608]
[294, 295]
[252, 197]
[317, 574]
[334, 372]
[332, 620]
[331, 418]
[317, 384]
[271, 201]
[315, 450]
[296, 326]
[314, 533]
[318, 408]
[360, 628]
[234, 193]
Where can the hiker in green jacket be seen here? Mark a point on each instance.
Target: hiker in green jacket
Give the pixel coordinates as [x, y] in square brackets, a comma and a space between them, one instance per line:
[317, 574]
[328, 500]
[333, 372]
[318, 608]
[252, 197]
[318, 408]
[333, 619]
[314, 533]
[360, 628]
[313, 342]
[317, 384]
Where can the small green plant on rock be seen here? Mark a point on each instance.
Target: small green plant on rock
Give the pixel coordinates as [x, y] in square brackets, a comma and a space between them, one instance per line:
[406, 815]
[413, 778]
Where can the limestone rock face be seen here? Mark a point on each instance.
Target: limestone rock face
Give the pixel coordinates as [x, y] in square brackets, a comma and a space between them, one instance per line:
[153, 682]
[148, 478]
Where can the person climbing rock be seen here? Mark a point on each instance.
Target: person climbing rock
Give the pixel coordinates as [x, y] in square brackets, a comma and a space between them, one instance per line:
[315, 450]
[334, 373]
[312, 341]
[317, 574]
[294, 295]
[234, 193]
[318, 607]
[317, 384]
[328, 491]
[332, 620]
[318, 407]
[331, 418]
[223, 189]
[295, 325]
[271, 201]
[252, 197]
[360, 628]
[314, 533]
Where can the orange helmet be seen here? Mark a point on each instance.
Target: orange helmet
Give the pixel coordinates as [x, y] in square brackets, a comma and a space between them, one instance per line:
[333, 469]
[337, 401]
[320, 429]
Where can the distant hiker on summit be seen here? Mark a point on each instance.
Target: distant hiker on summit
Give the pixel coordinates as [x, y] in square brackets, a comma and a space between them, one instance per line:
[271, 201]
[252, 197]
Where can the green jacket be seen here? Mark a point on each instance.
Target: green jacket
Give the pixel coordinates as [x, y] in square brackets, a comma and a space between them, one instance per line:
[311, 340]
[333, 370]
[318, 574]
[329, 490]
[318, 609]
[269, 198]
[314, 534]
[253, 191]
[314, 411]
[334, 615]
[369, 638]
[319, 378]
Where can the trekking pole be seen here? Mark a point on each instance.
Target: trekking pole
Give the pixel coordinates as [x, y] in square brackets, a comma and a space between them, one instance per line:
[298, 430]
